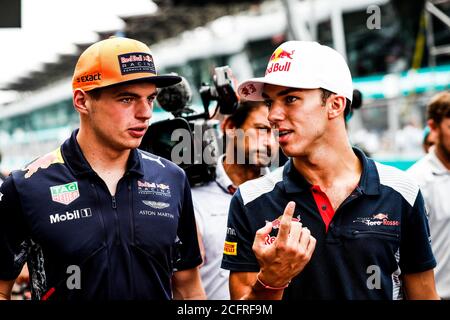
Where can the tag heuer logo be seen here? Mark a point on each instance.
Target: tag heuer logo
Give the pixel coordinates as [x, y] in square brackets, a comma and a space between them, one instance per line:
[65, 193]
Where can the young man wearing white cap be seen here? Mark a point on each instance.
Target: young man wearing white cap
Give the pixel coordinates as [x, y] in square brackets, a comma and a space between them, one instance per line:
[97, 218]
[351, 228]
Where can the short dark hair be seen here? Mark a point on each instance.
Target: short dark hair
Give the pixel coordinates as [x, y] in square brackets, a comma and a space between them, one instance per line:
[95, 93]
[327, 93]
[439, 107]
[239, 116]
[243, 111]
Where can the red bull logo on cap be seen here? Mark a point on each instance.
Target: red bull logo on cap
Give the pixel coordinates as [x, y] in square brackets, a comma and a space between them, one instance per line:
[275, 66]
[280, 54]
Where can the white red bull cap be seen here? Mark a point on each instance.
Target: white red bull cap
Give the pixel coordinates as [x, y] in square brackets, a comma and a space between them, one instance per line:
[305, 65]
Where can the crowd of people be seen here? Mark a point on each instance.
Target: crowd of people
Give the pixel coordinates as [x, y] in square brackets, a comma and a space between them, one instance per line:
[98, 218]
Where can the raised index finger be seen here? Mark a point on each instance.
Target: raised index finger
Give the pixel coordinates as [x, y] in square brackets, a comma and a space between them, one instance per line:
[285, 224]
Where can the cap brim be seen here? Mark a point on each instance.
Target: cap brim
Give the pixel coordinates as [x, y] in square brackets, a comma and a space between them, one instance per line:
[252, 89]
[162, 81]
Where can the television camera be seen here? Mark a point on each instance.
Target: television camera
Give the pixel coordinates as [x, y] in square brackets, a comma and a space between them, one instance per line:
[191, 139]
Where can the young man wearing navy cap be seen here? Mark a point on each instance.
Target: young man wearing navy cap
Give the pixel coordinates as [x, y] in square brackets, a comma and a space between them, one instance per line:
[97, 218]
[331, 223]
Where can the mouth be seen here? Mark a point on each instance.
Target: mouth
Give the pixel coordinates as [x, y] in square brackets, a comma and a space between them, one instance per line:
[138, 131]
[283, 135]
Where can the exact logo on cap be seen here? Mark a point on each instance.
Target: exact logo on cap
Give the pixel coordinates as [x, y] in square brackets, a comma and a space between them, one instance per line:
[90, 77]
[136, 62]
[284, 64]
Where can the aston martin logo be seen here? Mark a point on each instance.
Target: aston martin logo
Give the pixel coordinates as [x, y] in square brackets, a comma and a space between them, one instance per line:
[156, 204]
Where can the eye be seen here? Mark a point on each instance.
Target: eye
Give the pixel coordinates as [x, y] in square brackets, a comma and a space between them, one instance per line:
[268, 103]
[126, 100]
[291, 99]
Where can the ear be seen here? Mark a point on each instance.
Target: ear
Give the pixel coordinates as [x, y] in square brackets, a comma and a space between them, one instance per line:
[433, 125]
[336, 106]
[80, 99]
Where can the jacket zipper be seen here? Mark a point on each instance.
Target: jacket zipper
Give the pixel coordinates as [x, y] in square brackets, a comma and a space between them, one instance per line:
[362, 233]
[97, 198]
[116, 219]
[131, 211]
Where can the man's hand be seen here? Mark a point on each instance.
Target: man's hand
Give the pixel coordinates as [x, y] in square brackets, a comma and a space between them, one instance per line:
[286, 257]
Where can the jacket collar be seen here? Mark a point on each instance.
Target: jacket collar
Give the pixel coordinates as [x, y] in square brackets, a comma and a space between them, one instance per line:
[369, 182]
[75, 160]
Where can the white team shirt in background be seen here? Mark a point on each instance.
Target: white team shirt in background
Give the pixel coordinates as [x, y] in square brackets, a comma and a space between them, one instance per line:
[434, 182]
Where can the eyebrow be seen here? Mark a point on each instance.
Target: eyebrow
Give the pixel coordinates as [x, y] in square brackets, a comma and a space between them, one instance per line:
[260, 124]
[131, 94]
[283, 92]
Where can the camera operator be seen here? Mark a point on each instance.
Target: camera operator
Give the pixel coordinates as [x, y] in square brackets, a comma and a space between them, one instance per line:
[248, 149]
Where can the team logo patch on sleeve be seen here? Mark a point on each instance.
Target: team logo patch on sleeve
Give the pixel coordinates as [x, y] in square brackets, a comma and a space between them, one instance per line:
[230, 248]
[65, 193]
[44, 162]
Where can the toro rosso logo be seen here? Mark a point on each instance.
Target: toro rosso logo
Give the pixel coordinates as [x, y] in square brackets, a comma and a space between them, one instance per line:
[379, 219]
[381, 216]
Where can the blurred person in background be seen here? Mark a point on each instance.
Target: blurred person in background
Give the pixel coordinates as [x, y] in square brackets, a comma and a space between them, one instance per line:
[432, 173]
[212, 200]
[97, 218]
[428, 139]
[331, 223]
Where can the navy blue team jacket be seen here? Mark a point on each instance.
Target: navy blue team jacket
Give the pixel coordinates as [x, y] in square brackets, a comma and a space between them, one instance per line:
[377, 234]
[59, 216]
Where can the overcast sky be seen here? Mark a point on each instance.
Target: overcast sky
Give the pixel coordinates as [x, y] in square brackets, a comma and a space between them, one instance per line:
[50, 27]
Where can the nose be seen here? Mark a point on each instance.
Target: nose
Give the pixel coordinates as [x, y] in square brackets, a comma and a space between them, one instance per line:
[276, 114]
[145, 109]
